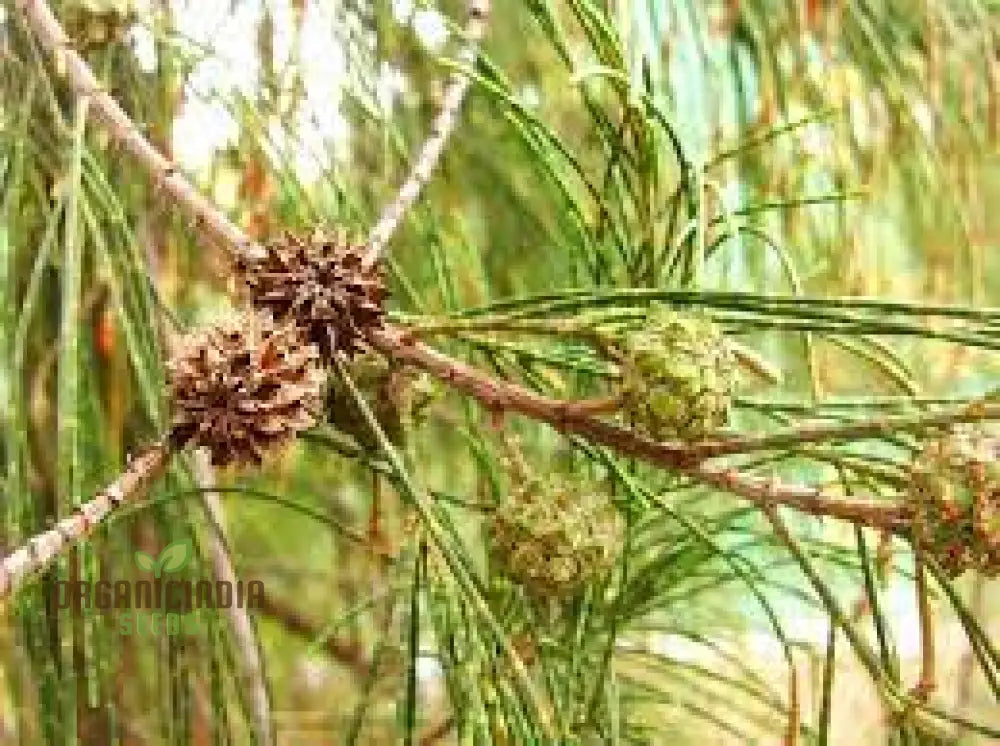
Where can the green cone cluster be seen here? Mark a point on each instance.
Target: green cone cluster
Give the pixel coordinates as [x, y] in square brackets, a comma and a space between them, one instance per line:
[553, 539]
[679, 374]
[955, 488]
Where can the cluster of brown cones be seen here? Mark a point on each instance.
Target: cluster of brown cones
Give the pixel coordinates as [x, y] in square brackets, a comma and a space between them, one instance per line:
[249, 384]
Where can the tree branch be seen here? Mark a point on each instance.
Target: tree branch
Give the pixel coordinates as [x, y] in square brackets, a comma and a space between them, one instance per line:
[502, 396]
[975, 412]
[927, 682]
[441, 129]
[42, 549]
[207, 218]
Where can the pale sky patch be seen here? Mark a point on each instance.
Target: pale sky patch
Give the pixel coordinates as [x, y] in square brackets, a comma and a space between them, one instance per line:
[431, 29]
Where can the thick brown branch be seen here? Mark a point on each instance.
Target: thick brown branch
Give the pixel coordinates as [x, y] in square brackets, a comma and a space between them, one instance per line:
[502, 396]
[43, 548]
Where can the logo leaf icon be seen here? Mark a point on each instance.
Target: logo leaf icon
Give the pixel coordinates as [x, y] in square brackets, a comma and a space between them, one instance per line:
[174, 556]
[144, 562]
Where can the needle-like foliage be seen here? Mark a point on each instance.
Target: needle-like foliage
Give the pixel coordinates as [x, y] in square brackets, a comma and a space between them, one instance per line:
[739, 537]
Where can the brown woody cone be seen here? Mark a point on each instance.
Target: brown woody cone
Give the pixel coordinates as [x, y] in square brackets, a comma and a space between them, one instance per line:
[321, 283]
[243, 387]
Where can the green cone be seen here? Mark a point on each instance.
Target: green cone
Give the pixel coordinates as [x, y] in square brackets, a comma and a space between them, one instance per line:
[552, 539]
[679, 376]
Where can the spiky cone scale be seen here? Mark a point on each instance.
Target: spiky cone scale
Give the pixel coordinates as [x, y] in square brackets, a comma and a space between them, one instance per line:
[955, 489]
[242, 388]
[552, 539]
[678, 375]
[321, 283]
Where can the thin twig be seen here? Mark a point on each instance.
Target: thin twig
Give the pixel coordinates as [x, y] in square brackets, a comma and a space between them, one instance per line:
[42, 549]
[794, 710]
[881, 426]
[84, 84]
[767, 492]
[246, 637]
[441, 129]
[927, 682]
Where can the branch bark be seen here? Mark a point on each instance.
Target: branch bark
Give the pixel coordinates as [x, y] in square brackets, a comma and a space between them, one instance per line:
[502, 396]
[441, 129]
[207, 218]
[42, 549]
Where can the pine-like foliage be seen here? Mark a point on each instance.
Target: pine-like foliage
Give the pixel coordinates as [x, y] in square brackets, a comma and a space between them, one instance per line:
[727, 271]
